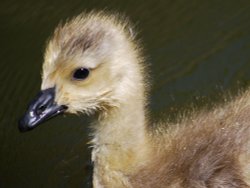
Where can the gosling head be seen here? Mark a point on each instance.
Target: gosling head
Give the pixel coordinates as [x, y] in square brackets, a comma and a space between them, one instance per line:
[90, 65]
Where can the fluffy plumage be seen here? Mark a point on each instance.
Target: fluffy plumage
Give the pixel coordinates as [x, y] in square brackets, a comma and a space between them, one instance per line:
[207, 149]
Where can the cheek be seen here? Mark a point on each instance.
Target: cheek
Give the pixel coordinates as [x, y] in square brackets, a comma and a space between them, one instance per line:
[68, 94]
[62, 97]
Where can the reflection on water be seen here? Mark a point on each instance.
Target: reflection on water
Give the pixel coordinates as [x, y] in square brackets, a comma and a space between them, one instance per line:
[196, 51]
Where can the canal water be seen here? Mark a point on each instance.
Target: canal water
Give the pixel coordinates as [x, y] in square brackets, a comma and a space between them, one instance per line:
[198, 52]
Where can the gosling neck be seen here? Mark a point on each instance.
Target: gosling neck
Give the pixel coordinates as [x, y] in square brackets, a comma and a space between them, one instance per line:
[119, 145]
[122, 127]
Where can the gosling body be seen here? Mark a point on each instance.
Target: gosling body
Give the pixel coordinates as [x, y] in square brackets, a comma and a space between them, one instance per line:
[208, 149]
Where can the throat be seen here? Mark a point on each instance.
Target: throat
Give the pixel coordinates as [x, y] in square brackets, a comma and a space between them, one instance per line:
[119, 145]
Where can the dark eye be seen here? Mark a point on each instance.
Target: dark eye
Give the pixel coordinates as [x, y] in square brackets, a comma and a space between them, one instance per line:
[81, 74]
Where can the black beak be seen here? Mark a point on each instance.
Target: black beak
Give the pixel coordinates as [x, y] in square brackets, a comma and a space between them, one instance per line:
[41, 109]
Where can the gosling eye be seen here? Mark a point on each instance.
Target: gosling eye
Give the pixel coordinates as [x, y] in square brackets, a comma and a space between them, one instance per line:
[81, 73]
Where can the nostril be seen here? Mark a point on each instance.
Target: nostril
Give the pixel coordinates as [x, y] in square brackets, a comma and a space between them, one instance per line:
[40, 109]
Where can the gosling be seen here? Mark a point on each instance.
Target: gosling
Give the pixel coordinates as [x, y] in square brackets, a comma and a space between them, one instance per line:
[94, 65]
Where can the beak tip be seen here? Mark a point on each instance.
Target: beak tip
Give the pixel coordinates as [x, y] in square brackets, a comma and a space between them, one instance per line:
[22, 129]
[22, 126]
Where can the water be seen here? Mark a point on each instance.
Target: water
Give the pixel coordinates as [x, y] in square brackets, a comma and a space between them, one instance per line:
[197, 50]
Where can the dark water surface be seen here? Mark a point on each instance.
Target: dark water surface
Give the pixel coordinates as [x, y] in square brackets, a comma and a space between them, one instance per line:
[198, 50]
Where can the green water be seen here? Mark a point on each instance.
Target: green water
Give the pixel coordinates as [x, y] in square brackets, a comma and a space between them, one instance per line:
[197, 50]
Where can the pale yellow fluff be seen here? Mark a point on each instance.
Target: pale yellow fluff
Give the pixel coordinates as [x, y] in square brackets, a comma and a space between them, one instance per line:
[208, 149]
